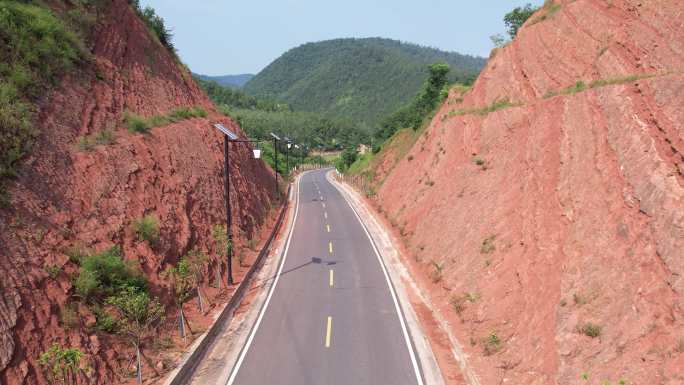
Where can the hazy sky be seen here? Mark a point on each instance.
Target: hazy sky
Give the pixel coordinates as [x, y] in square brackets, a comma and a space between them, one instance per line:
[218, 37]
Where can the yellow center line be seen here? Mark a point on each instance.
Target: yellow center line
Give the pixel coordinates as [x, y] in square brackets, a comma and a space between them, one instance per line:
[328, 332]
[327, 227]
[332, 275]
[330, 247]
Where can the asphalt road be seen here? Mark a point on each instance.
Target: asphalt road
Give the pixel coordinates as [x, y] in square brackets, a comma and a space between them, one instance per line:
[331, 317]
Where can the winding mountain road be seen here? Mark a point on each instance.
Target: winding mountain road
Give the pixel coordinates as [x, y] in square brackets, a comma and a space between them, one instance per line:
[331, 316]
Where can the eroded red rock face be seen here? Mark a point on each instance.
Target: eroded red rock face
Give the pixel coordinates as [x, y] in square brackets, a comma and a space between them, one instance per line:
[66, 196]
[560, 210]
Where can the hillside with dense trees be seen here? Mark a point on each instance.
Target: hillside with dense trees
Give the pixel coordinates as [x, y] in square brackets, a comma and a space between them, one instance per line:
[359, 79]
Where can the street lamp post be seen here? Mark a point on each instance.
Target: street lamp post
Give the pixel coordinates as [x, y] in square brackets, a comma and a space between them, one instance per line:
[228, 137]
[287, 154]
[276, 138]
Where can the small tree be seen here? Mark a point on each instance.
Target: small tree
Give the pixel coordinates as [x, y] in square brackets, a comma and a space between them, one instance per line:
[182, 282]
[196, 263]
[62, 365]
[498, 40]
[138, 316]
[223, 245]
[515, 19]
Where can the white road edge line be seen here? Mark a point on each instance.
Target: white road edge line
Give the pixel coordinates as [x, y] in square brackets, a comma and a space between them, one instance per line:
[236, 368]
[407, 339]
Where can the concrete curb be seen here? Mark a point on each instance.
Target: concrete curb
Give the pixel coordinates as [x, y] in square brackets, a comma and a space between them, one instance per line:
[198, 350]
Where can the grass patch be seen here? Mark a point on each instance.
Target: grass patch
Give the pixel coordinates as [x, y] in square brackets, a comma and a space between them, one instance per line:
[146, 229]
[575, 88]
[590, 329]
[498, 104]
[361, 163]
[37, 49]
[138, 124]
[580, 85]
[89, 142]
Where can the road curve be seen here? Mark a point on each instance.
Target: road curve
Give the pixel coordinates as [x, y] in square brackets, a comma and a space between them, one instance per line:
[331, 317]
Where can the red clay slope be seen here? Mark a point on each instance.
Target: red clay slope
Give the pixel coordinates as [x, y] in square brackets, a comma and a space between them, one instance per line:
[561, 210]
[66, 197]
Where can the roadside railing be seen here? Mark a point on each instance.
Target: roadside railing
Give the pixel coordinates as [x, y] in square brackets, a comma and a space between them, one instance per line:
[359, 182]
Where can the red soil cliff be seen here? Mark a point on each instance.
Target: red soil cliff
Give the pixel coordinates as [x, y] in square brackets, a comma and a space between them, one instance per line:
[65, 196]
[549, 228]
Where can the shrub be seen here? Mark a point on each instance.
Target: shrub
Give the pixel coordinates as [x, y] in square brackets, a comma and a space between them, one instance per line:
[136, 124]
[104, 321]
[105, 274]
[458, 303]
[146, 229]
[488, 245]
[86, 283]
[590, 329]
[53, 271]
[62, 365]
[491, 344]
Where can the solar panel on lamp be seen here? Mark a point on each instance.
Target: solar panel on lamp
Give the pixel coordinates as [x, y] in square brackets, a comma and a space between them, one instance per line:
[230, 134]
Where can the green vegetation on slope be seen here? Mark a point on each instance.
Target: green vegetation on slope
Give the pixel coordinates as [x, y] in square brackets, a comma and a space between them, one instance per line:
[223, 95]
[37, 48]
[515, 19]
[360, 79]
[155, 23]
[38, 45]
[434, 91]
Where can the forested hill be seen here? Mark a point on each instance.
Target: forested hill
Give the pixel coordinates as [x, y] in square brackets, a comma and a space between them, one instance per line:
[233, 81]
[361, 79]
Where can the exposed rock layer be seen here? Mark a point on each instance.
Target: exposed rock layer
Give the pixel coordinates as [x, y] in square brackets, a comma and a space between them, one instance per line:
[563, 207]
[66, 196]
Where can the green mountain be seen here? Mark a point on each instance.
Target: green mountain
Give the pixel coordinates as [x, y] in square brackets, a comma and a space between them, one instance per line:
[360, 79]
[232, 81]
